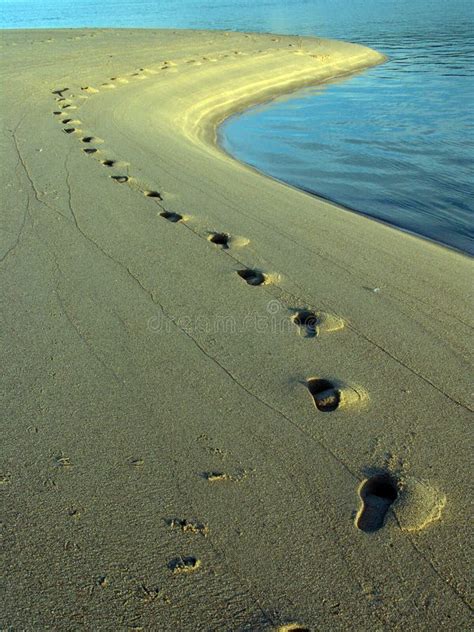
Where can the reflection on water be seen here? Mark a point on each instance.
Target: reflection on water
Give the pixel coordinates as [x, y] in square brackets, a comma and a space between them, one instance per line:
[396, 142]
[389, 147]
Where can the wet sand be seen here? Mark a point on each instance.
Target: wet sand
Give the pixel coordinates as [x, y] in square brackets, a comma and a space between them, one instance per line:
[228, 405]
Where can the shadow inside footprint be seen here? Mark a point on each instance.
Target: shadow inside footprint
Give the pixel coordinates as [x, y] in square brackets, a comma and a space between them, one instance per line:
[108, 163]
[184, 564]
[171, 217]
[325, 394]
[308, 321]
[153, 194]
[120, 179]
[221, 239]
[377, 493]
[69, 130]
[87, 139]
[252, 277]
[90, 150]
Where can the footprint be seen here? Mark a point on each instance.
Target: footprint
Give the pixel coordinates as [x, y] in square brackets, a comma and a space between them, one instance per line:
[171, 217]
[184, 564]
[317, 323]
[216, 476]
[91, 139]
[153, 194]
[69, 130]
[108, 163]
[328, 396]
[378, 493]
[89, 89]
[252, 277]
[293, 627]
[188, 527]
[325, 394]
[135, 461]
[221, 239]
[120, 179]
[59, 91]
[90, 150]
[308, 321]
[419, 504]
[62, 461]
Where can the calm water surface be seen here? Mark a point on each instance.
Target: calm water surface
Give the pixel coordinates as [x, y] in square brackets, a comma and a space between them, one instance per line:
[396, 142]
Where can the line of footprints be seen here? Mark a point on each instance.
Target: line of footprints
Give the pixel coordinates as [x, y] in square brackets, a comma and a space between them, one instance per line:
[378, 492]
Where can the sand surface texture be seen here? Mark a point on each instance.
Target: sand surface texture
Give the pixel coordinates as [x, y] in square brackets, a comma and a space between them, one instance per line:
[227, 405]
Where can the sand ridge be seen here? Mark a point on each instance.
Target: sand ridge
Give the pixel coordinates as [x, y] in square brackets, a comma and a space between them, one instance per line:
[255, 372]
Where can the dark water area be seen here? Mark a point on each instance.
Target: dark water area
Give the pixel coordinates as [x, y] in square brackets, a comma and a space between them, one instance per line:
[395, 142]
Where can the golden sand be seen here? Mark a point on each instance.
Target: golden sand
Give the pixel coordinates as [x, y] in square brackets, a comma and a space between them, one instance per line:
[190, 344]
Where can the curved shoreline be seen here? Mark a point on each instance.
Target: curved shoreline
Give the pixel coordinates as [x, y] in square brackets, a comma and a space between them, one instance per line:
[346, 207]
[208, 374]
[343, 205]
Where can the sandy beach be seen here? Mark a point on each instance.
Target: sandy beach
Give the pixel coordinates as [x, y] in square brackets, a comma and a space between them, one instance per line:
[227, 404]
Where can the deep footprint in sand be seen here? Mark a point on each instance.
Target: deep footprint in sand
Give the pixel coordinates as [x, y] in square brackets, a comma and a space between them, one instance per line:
[108, 163]
[314, 324]
[329, 396]
[153, 194]
[90, 150]
[171, 217]
[378, 493]
[120, 179]
[308, 321]
[220, 239]
[252, 277]
[325, 394]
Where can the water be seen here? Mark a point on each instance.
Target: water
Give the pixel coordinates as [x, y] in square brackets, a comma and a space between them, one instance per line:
[396, 142]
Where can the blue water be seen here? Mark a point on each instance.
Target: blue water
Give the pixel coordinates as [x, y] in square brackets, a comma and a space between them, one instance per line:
[396, 142]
